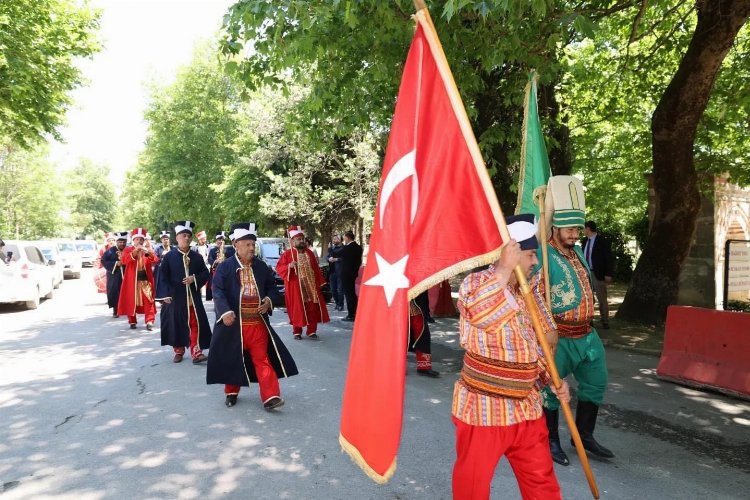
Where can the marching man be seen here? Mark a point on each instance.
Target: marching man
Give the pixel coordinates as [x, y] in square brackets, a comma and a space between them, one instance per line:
[245, 348]
[299, 269]
[137, 293]
[184, 322]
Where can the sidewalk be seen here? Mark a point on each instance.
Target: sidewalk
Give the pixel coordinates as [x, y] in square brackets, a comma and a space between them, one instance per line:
[635, 337]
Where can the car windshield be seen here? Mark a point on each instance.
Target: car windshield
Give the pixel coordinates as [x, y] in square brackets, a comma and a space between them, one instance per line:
[85, 247]
[270, 250]
[66, 247]
[47, 253]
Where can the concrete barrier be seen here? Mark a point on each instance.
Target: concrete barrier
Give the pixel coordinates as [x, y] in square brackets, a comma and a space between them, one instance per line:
[706, 348]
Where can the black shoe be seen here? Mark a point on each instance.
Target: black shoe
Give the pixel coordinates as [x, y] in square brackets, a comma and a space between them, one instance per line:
[314, 336]
[115, 315]
[430, 320]
[586, 415]
[590, 445]
[149, 326]
[231, 400]
[273, 403]
[297, 336]
[132, 326]
[347, 319]
[555, 449]
[429, 373]
[558, 455]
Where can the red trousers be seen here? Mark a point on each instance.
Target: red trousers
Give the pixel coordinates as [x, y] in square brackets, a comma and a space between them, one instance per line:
[255, 342]
[195, 349]
[148, 309]
[312, 312]
[479, 449]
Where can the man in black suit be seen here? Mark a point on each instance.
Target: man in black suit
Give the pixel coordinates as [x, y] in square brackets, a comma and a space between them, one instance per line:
[351, 260]
[598, 253]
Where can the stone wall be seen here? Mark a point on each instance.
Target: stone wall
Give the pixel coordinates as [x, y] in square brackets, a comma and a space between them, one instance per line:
[725, 215]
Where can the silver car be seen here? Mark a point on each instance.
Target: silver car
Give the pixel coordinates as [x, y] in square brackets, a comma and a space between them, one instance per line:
[54, 260]
[70, 257]
[88, 250]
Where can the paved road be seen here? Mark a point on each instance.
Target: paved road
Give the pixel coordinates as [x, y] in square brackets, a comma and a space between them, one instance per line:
[92, 410]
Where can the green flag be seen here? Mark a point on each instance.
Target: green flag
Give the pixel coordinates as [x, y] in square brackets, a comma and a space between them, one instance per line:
[535, 169]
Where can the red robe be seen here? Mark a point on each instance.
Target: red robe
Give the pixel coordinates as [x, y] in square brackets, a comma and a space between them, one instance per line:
[127, 303]
[293, 288]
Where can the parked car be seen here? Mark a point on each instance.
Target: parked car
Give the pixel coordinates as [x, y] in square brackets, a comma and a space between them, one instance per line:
[269, 250]
[26, 277]
[54, 260]
[70, 257]
[88, 250]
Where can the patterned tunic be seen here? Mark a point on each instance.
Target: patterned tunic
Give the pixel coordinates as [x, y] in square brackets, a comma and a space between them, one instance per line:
[583, 312]
[250, 298]
[495, 324]
[307, 279]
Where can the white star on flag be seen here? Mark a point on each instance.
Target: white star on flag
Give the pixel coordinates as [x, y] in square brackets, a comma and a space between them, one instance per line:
[390, 276]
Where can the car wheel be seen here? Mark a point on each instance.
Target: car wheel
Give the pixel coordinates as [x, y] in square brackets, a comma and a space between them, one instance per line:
[33, 304]
[49, 295]
[77, 276]
[57, 285]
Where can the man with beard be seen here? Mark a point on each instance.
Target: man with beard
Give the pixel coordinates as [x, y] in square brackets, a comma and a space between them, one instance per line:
[184, 322]
[115, 270]
[299, 269]
[497, 405]
[245, 348]
[137, 292]
[579, 351]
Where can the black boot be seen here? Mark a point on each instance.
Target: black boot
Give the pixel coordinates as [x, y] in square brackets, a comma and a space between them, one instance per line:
[558, 455]
[586, 421]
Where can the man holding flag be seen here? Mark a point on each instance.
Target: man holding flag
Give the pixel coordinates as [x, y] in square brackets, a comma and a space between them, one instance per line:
[431, 154]
[497, 404]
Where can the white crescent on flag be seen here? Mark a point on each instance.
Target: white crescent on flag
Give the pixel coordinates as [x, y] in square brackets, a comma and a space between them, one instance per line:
[404, 168]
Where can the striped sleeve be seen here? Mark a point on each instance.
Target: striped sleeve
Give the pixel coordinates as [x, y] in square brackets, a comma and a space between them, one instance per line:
[483, 302]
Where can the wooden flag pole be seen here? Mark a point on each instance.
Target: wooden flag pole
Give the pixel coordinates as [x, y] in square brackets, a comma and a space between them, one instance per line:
[423, 18]
[545, 255]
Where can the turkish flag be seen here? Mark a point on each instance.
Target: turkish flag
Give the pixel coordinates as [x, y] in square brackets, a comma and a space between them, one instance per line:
[433, 219]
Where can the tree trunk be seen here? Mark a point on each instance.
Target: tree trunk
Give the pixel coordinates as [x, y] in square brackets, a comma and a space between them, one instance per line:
[655, 281]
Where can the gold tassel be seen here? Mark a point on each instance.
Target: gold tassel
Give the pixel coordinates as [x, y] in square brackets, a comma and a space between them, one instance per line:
[358, 459]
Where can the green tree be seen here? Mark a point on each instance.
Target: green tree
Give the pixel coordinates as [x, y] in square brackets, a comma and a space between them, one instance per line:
[193, 127]
[674, 127]
[91, 198]
[31, 194]
[351, 54]
[39, 45]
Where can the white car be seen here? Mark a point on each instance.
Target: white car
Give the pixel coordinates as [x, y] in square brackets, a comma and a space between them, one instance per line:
[70, 257]
[26, 275]
[88, 250]
[54, 259]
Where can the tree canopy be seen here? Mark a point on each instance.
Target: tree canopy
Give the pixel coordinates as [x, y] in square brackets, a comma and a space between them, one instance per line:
[39, 45]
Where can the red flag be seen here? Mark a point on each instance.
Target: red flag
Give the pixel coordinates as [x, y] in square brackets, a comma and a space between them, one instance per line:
[433, 219]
